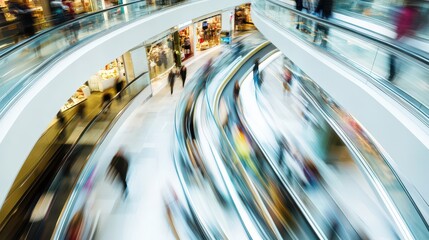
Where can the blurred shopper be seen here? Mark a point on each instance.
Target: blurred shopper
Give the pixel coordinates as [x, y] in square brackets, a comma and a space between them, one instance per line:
[81, 110]
[207, 70]
[283, 146]
[287, 80]
[118, 167]
[183, 72]
[238, 48]
[105, 100]
[406, 22]
[25, 17]
[61, 118]
[298, 6]
[119, 85]
[74, 27]
[75, 229]
[324, 10]
[59, 11]
[171, 79]
[257, 77]
[236, 90]
[311, 173]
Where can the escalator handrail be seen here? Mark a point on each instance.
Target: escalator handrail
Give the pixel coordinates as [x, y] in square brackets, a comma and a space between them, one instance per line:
[293, 193]
[368, 170]
[28, 174]
[383, 41]
[85, 172]
[69, 152]
[33, 38]
[215, 114]
[294, 196]
[6, 220]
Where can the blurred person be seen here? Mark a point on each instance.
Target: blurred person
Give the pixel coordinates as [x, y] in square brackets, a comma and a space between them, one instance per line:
[207, 69]
[243, 148]
[119, 85]
[283, 145]
[324, 10]
[311, 172]
[287, 80]
[118, 167]
[61, 118]
[24, 14]
[256, 74]
[171, 79]
[406, 22]
[238, 48]
[75, 229]
[59, 11]
[105, 100]
[62, 125]
[74, 27]
[183, 72]
[81, 110]
[278, 209]
[298, 6]
[236, 91]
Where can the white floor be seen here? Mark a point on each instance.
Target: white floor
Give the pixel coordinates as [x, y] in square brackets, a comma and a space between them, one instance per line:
[147, 137]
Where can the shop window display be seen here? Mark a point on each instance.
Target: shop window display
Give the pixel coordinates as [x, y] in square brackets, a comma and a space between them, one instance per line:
[243, 20]
[186, 43]
[160, 57]
[208, 33]
[103, 80]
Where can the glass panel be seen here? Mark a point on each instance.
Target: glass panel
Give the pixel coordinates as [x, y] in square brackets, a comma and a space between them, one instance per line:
[22, 66]
[69, 165]
[404, 76]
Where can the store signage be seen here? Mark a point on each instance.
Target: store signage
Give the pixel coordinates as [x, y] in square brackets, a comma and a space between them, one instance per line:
[184, 24]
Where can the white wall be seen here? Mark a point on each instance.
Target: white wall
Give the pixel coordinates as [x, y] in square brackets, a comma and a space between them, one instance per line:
[24, 123]
[403, 138]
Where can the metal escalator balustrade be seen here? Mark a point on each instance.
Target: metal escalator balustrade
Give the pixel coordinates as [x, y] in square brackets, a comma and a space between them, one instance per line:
[387, 183]
[183, 132]
[368, 53]
[69, 172]
[261, 192]
[270, 130]
[25, 62]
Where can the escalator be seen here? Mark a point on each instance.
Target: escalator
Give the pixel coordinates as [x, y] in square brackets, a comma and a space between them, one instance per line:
[264, 205]
[300, 227]
[353, 67]
[23, 63]
[371, 162]
[42, 206]
[367, 53]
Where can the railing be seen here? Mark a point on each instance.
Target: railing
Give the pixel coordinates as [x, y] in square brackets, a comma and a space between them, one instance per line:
[76, 157]
[258, 188]
[292, 184]
[384, 179]
[23, 64]
[390, 66]
[382, 13]
[83, 180]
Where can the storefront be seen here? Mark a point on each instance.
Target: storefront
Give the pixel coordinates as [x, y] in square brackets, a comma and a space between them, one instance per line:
[186, 35]
[103, 81]
[208, 32]
[243, 20]
[160, 56]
